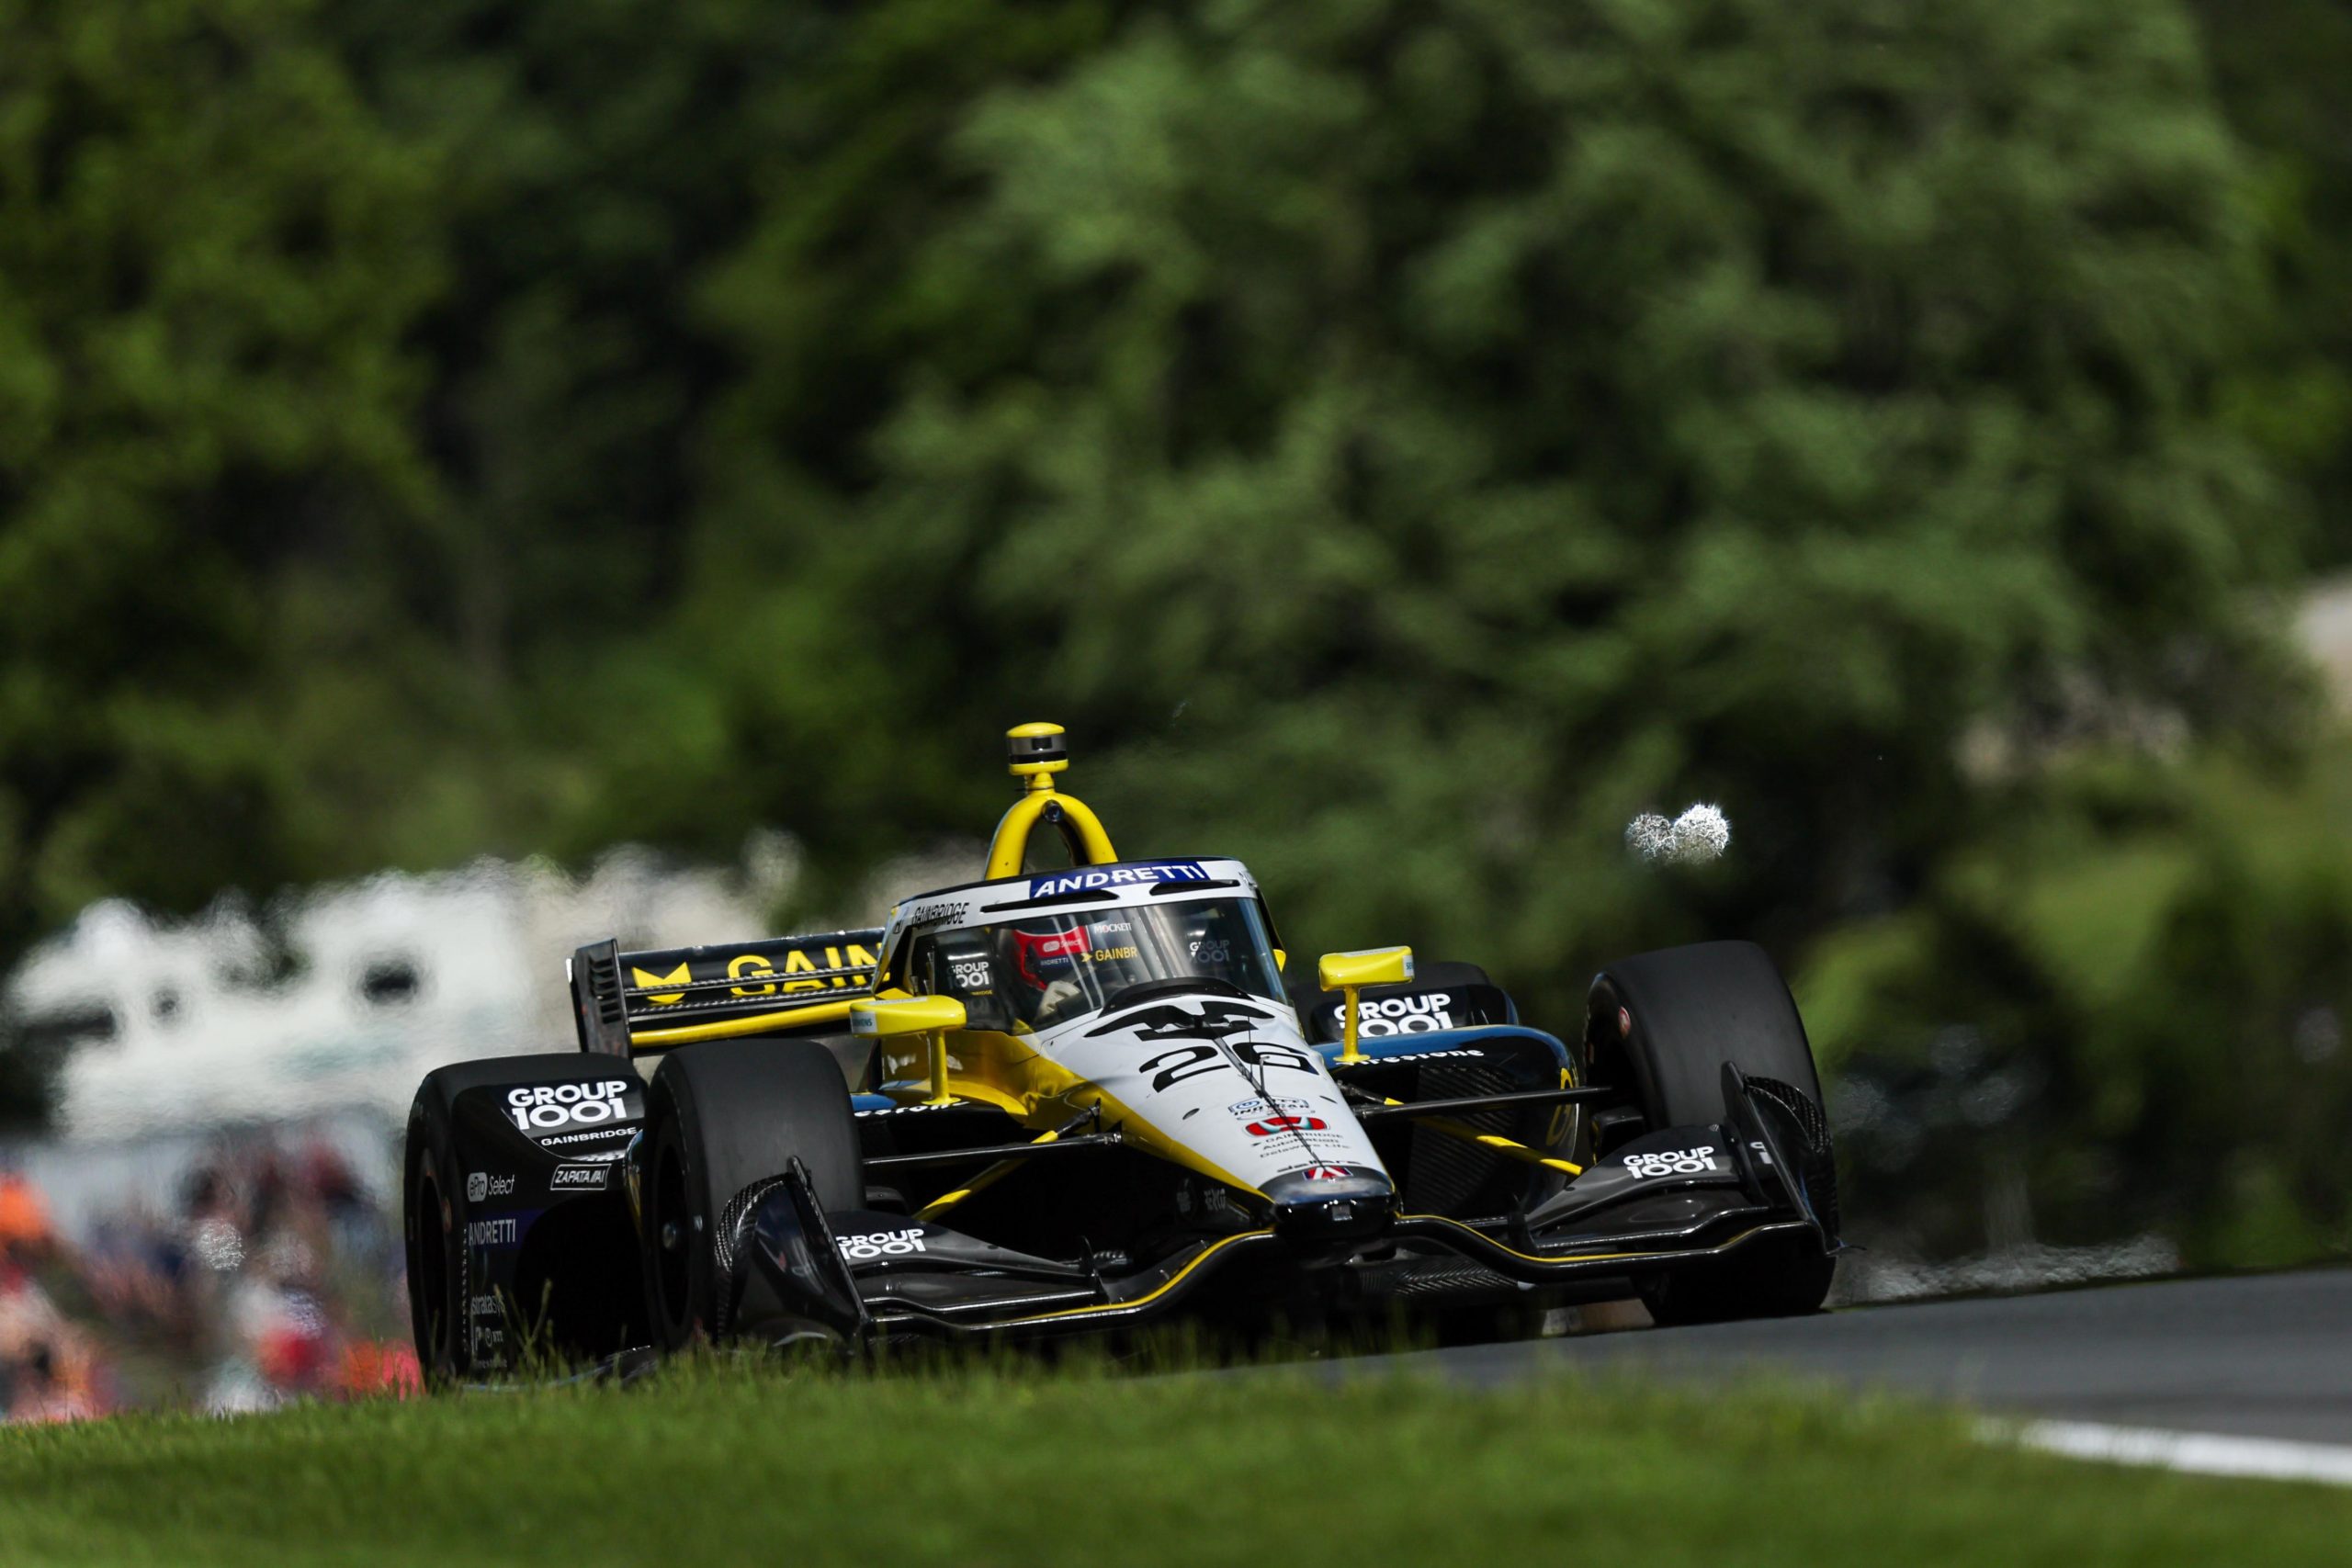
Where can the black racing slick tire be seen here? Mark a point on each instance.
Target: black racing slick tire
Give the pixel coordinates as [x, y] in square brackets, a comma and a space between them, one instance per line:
[719, 1117]
[433, 1206]
[1678, 1015]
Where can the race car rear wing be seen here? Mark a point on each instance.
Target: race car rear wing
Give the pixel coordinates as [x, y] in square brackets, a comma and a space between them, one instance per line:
[624, 1002]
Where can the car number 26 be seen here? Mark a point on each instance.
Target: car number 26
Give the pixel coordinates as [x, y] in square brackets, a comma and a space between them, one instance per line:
[1192, 1061]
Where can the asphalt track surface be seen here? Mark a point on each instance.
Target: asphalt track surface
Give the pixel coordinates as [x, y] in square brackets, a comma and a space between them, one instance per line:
[2263, 1356]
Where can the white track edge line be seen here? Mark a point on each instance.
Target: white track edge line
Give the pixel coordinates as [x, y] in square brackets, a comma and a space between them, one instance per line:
[2200, 1453]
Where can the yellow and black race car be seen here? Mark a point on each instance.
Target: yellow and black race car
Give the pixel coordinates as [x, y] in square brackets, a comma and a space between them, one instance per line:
[1058, 1101]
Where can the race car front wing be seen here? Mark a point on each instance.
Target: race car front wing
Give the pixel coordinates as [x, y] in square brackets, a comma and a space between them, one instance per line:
[1672, 1199]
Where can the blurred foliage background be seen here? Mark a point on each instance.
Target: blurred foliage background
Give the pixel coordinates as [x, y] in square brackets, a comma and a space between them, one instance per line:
[1401, 439]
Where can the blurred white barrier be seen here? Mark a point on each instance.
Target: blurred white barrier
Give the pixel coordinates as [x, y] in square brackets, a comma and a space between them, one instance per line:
[344, 997]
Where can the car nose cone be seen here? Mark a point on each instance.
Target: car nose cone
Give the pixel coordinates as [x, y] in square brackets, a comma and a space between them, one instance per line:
[1330, 1202]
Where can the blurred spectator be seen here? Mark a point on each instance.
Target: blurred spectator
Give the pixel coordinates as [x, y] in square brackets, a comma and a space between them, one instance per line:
[49, 1368]
[24, 1218]
[274, 1276]
[372, 1368]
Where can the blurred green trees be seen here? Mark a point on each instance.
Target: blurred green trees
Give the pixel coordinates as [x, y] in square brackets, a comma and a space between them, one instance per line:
[2124, 1002]
[1401, 439]
[210, 256]
[1492, 421]
[2279, 67]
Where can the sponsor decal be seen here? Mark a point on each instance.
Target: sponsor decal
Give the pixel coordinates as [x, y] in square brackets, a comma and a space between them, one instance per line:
[1430, 1055]
[798, 961]
[906, 1110]
[1326, 1173]
[1054, 951]
[744, 963]
[1402, 1015]
[1673, 1162]
[880, 1244]
[586, 1155]
[1214, 1019]
[481, 1184]
[1243, 1110]
[931, 914]
[601, 1134]
[677, 977]
[969, 974]
[1273, 1125]
[545, 1106]
[1192, 1061]
[484, 1306]
[492, 1232]
[1087, 881]
[575, 1176]
[1761, 1152]
[759, 974]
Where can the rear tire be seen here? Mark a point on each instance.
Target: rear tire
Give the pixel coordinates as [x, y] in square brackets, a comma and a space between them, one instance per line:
[1692, 1009]
[719, 1117]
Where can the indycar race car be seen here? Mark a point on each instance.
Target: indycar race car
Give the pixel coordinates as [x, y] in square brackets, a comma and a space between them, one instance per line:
[1074, 1100]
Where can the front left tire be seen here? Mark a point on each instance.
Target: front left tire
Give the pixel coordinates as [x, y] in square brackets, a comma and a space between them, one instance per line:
[721, 1117]
[1678, 1015]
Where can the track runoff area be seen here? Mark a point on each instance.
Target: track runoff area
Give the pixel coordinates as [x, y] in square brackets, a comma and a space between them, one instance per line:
[2249, 1376]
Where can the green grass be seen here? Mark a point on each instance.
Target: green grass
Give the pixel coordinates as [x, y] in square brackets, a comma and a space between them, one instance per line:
[712, 1465]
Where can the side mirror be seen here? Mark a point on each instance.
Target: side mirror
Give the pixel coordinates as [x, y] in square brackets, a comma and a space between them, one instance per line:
[932, 1017]
[1348, 973]
[883, 1020]
[1371, 966]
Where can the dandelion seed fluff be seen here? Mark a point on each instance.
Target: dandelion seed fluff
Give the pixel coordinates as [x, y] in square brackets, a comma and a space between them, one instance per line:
[1649, 835]
[1700, 834]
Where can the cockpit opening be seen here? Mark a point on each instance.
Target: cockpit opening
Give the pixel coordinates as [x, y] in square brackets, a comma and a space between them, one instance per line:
[1027, 974]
